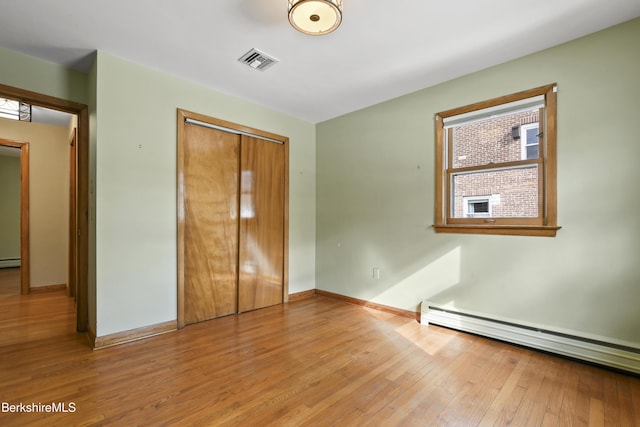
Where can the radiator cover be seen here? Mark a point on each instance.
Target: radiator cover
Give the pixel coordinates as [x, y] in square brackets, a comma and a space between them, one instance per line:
[9, 262]
[620, 355]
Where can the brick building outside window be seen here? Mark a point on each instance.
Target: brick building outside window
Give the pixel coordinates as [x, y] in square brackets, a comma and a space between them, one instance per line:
[498, 193]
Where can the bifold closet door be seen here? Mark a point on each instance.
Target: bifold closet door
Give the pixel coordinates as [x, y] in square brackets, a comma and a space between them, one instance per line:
[211, 162]
[261, 251]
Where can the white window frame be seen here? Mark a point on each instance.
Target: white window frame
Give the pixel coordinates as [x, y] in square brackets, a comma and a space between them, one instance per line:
[470, 200]
[524, 140]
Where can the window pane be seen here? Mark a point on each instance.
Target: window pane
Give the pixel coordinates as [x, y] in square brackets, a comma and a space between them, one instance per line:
[491, 140]
[15, 110]
[9, 109]
[476, 207]
[510, 193]
[479, 207]
[530, 141]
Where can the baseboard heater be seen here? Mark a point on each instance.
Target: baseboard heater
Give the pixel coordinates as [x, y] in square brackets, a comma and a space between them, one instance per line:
[9, 262]
[619, 355]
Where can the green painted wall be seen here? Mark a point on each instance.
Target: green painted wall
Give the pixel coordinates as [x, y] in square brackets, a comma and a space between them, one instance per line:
[375, 200]
[37, 75]
[9, 206]
[135, 207]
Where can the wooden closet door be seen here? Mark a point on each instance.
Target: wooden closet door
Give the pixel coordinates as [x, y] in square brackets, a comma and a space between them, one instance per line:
[211, 162]
[261, 252]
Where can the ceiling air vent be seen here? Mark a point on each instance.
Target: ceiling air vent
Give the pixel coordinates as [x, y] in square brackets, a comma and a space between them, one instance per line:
[258, 60]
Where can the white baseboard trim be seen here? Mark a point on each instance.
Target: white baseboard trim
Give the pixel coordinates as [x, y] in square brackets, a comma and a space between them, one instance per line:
[622, 356]
[9, 262]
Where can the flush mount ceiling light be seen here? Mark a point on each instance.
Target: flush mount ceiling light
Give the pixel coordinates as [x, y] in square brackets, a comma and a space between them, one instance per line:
[315, 17]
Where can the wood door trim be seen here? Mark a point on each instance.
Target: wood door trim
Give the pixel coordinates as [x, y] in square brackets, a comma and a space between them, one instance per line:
[181, 218]
[25, 272]
[82, 182]
[285, 260]
[182, 116]
[25, 279]
[73, 235]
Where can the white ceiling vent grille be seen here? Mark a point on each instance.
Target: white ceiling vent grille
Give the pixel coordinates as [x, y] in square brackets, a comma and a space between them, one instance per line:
[258, 60]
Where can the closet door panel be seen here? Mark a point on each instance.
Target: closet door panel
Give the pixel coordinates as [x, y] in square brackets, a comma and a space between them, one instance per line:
[211, 160]
[261, 251]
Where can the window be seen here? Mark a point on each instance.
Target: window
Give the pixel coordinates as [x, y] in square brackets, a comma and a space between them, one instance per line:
[15, 110]
[496, 166]
[475, 207]
[530, 144]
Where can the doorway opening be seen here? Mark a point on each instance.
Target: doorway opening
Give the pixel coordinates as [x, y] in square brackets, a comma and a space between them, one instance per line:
[15, 253]
[79, 201]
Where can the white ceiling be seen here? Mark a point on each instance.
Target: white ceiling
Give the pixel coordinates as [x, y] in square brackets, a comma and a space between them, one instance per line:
[49, 117]
[382, 50]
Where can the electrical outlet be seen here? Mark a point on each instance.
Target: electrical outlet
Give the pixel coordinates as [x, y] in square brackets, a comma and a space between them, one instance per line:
[376, 273]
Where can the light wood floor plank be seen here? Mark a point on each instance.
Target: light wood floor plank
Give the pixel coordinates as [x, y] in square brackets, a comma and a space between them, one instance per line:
[536, 378]
[596, 413]
[312, 362]
[9, 281]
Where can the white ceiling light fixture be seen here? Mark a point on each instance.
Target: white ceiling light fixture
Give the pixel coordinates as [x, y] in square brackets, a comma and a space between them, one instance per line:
[315, 17]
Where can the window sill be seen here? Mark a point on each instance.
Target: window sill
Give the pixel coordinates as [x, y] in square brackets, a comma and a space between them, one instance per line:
[505, 230]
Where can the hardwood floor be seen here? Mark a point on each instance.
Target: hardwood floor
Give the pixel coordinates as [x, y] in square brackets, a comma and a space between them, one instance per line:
[313, 362]
[10, 281]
